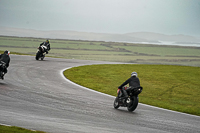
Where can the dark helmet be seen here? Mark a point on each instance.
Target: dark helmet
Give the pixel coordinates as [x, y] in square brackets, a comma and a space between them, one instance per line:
[47, 41]
[7, 52]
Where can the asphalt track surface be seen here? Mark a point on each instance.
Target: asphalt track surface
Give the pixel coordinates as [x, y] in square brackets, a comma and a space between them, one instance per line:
[35, 95]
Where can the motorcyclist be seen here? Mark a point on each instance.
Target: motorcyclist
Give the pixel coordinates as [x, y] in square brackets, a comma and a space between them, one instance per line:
[4, 58]
[47, 44]
[133, 81]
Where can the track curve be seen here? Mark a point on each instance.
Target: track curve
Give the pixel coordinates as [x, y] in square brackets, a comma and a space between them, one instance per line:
[34, 95]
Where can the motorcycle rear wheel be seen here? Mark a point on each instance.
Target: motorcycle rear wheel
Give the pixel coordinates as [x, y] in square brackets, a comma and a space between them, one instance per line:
[116, 104]
[134, 103]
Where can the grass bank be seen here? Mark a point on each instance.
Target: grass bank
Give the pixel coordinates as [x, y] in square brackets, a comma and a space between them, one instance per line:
[13, 129]
[166, 86]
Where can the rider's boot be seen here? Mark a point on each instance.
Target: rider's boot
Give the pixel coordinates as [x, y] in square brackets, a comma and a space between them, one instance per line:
[2, 75]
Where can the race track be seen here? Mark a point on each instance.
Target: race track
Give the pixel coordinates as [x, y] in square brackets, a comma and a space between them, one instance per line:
[36, 96]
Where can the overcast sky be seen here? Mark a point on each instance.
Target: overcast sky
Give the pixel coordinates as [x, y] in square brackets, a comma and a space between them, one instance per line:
[103, 16]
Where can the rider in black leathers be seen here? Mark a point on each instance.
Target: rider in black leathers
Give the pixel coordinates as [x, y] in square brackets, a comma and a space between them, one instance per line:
[133, 81]
[5, 59]
[47, 44]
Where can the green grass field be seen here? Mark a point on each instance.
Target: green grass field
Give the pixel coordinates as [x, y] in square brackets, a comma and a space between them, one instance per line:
[166, 86]
[106, 51]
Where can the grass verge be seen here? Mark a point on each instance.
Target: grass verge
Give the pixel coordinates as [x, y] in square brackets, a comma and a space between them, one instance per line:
[166, 86]
[13, 129]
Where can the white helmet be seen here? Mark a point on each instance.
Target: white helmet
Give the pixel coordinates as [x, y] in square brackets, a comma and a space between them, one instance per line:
[134, 74]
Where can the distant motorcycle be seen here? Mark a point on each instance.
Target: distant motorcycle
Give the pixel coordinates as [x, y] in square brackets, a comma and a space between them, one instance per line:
[131, 102]
[41, 52]
[2, 67]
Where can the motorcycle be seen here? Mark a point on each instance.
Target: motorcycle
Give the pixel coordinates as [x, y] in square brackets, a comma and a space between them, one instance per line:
[41, 52]
[131, 102]
[2, 67]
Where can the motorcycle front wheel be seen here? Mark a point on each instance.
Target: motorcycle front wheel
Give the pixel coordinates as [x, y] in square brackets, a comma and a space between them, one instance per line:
[1, 74]
[133, 103]
[37, 55]
[116, 104]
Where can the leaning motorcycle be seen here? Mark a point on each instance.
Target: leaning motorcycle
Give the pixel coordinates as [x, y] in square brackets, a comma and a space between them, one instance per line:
[2, 67]
[40, 54]
[131, 102]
